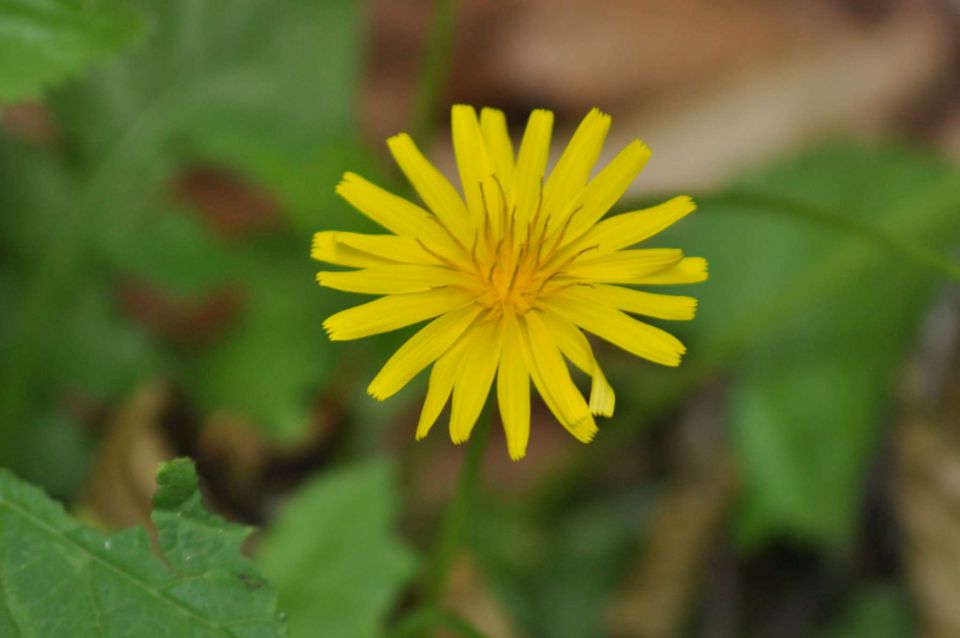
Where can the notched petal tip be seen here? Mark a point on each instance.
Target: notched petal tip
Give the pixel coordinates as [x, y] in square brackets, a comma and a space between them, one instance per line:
[398, 138]
[639, 147]
[490, 111]
[374, 391]
[349, 181]
[330, 329]
[462, 109]
[604, 409]
[322, 245]
[401, 144]
[584, 429]
[347, 178]
[517, 456]
[541, 112]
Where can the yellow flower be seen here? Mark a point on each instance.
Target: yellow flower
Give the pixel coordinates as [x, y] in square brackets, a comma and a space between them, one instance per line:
[510, 273]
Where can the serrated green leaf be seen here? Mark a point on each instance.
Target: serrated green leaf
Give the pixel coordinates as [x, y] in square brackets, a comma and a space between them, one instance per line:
[61, 579]
[44, 41]
[332, 556]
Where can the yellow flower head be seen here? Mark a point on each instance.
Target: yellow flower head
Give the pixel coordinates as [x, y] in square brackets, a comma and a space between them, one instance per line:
[510, 273]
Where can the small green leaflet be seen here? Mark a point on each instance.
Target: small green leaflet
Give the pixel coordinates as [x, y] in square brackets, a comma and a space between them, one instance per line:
[58, 578]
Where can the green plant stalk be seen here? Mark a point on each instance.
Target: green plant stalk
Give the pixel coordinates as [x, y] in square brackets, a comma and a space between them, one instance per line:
[451, 530]
[434, 67]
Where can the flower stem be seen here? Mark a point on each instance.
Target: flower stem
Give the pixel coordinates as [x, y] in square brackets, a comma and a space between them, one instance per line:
[433, 67]
[451, 531]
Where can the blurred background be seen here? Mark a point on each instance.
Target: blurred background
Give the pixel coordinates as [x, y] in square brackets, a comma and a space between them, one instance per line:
[163, 166]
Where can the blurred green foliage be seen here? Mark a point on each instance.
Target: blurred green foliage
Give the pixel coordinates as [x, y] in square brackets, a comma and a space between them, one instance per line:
[44, 41]
[875, 611]
[555, 576]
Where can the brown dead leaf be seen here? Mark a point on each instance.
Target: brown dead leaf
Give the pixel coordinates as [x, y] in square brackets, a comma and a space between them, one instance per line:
[119, 491]
[927, 485]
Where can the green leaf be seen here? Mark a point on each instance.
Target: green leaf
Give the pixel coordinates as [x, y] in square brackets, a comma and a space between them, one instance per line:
[62, 579]
[44, 41]
[331, 554]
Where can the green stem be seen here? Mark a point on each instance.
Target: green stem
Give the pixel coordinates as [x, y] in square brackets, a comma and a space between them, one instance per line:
[434, 67]
[451, 530]
[421, 622]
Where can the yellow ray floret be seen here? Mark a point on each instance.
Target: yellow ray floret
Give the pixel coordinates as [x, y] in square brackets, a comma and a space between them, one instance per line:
[510, 271]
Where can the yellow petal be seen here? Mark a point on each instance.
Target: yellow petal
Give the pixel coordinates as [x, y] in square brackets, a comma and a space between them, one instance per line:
[625, 266]
[325, 247]
[607, 187]
[552, 378]
[586, 309]
[690, 270]
[474, 378]
[396, 214]
[531, 166]
[392, 312]
[574, 166]
[472, 161]
[602, 398]
[493, 125]
[575, 347]
[632, 228]
[421, 350]
[390, 280]
[513, 390]
[674, 307]
[436, 192]
[442, 376]
[360, 250]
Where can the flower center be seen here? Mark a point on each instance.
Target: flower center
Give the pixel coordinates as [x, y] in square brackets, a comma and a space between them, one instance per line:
[510, 272]
[509, 286]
